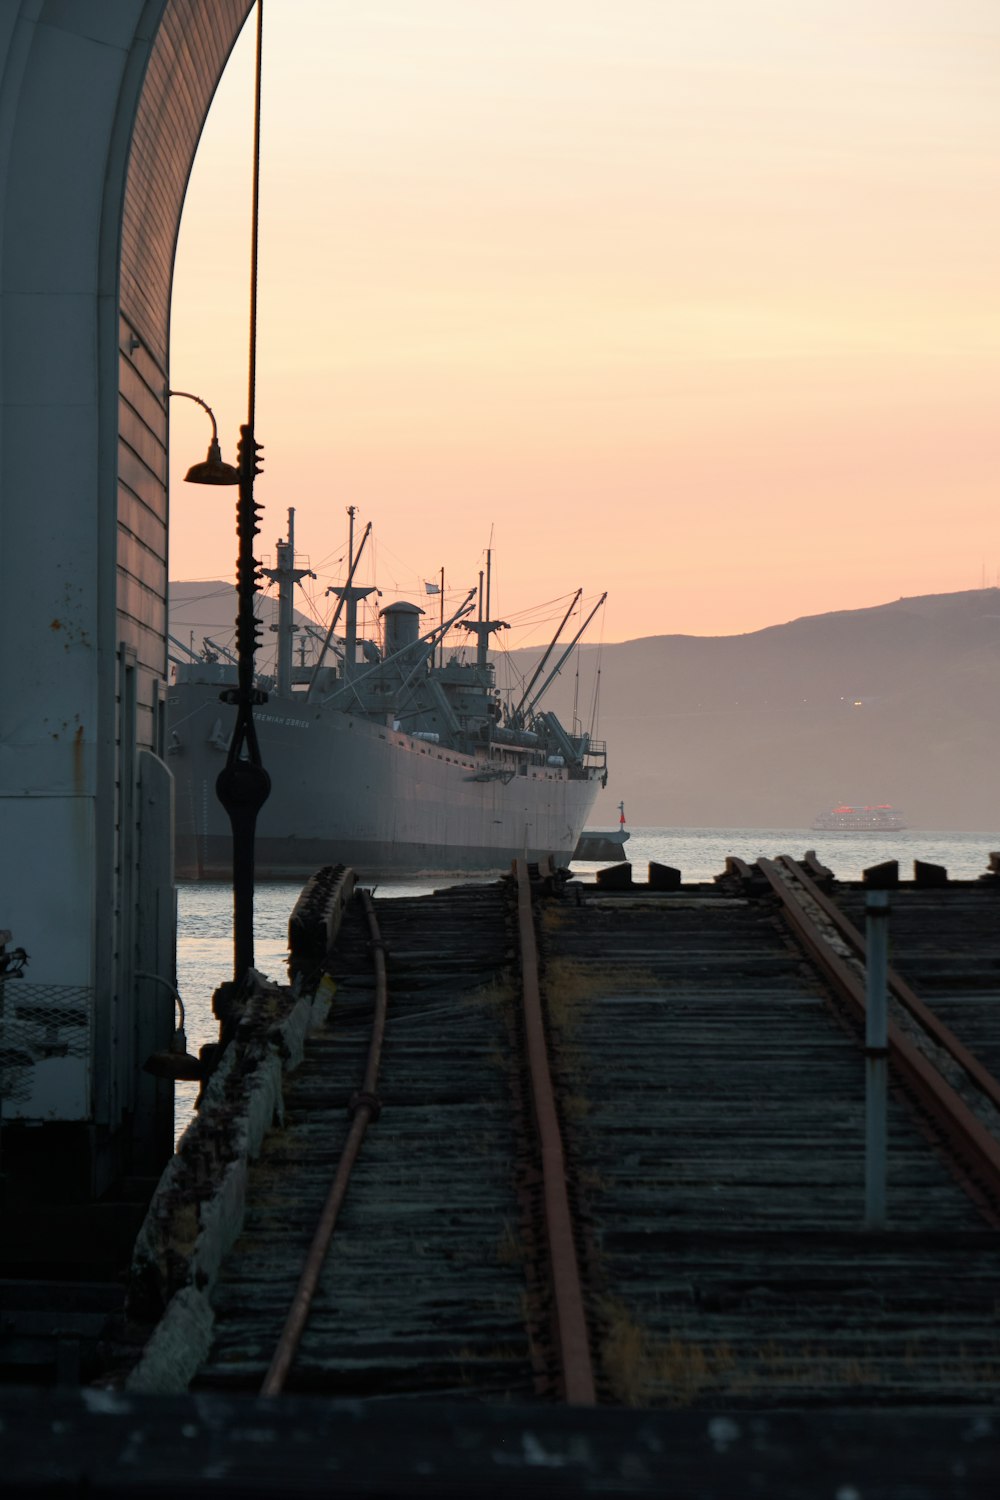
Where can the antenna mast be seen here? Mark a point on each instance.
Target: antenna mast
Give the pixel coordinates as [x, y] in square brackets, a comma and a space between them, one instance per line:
[286, 575]
[482, 628]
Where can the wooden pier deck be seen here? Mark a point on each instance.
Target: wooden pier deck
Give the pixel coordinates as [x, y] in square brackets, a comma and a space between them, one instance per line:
[707, 1082]
[709, 1085]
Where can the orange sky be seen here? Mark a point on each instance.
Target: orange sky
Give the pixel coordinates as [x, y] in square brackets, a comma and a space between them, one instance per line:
[695, 304]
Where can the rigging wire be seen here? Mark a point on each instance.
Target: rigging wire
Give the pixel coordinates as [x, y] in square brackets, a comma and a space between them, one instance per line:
[576, 691]
[595, 703]
[219, 593]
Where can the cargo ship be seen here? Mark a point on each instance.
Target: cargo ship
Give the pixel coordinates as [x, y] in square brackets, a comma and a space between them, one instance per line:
[394, 757]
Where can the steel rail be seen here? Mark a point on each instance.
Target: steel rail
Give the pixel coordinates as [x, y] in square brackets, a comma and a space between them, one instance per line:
[932, 1024]
[572, 1335]
[364, 1107]
[970, 1139]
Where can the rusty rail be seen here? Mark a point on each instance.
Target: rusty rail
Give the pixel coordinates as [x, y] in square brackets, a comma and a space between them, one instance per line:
[572, 1335]
[901, 991]
[969, 1138]
[364, 1107]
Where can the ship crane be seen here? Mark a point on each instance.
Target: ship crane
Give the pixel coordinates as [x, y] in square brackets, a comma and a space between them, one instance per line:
[430, 640]
[562, 660]
[515, 716]
[213, 651]
[191, 655]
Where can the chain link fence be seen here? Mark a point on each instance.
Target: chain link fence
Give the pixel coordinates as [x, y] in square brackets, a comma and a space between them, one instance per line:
[39, 1022]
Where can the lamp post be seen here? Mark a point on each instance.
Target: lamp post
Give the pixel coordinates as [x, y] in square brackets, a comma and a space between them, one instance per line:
[243, 784]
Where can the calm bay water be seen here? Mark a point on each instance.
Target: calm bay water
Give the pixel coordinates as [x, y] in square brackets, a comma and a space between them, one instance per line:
[205, 952]
[204, 910]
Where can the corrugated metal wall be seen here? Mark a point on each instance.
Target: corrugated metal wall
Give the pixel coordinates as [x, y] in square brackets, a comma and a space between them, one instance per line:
[192, 45]
[101, 108]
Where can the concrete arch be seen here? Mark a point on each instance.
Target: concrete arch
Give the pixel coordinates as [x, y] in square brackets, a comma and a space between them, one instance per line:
[102, 103]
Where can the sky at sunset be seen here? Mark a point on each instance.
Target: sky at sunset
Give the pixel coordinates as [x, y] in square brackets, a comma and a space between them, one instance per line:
[695, 303]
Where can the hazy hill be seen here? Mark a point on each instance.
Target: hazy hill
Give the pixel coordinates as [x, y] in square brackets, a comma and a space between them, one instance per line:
[898, 704]
[209, 608]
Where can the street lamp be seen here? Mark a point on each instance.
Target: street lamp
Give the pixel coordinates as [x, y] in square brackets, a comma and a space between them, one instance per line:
[243, 784]
[213, 470]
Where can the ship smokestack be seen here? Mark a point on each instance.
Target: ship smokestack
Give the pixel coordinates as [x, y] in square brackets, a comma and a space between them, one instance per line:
[402, 626]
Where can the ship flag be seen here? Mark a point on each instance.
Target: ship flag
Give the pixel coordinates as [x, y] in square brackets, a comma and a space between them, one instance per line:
[432, 588]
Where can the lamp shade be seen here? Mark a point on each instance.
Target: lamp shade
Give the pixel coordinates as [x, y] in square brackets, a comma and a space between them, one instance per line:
[213, 470]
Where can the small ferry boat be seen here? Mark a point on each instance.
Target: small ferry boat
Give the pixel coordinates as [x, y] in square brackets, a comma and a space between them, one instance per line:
[876, 818]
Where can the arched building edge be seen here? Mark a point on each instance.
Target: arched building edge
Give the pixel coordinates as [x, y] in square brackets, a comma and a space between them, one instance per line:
[101, 110]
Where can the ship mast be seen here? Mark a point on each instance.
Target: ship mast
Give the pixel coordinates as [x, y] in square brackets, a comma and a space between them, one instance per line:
[286, 575]
[483, 628]
[353, 558]
[350, 594]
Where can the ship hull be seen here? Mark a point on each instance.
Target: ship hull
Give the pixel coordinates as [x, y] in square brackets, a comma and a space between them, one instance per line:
[349, 790]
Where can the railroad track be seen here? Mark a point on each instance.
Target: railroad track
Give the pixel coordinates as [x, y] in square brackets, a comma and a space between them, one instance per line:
[499, 1306]
[954, 1089]
[619, 1159]
[718, 1135]
[423, 1288]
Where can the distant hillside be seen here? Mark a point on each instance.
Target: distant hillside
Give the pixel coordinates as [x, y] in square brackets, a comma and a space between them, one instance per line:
[900, 704]
[208, 608]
